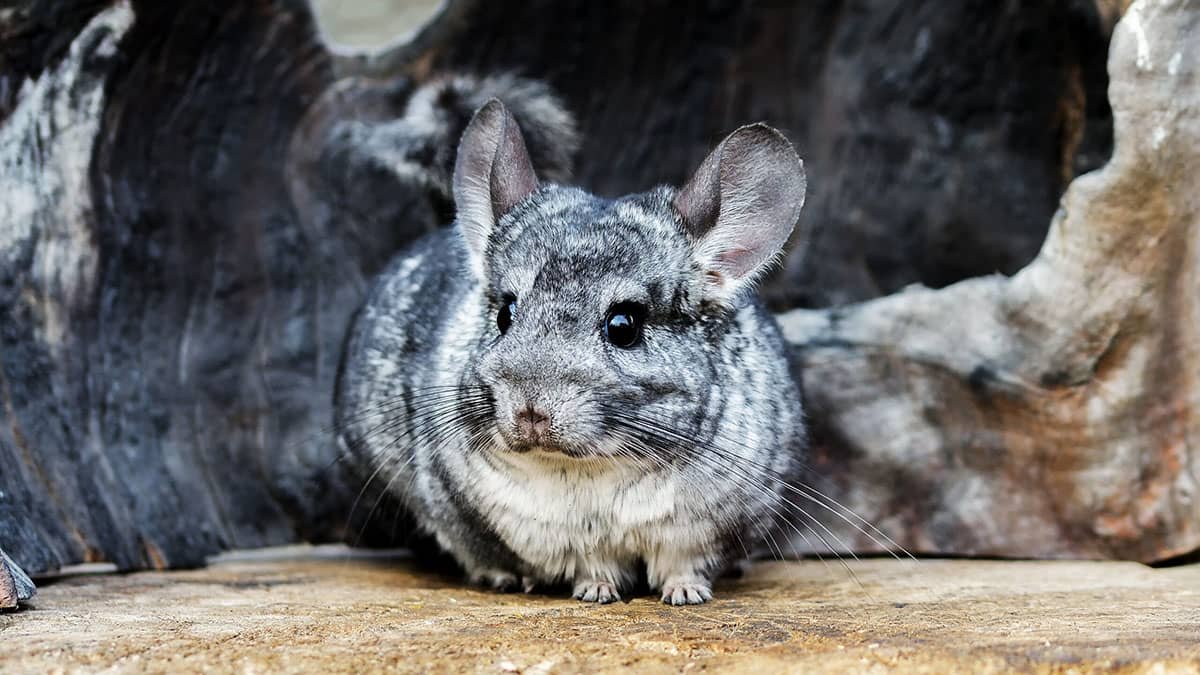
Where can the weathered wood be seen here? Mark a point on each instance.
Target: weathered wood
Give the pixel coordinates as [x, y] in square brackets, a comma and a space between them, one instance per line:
[192, 207]
[194, 196]
[354, 616]
[938, 137]
[1054, 413]
[137, 315]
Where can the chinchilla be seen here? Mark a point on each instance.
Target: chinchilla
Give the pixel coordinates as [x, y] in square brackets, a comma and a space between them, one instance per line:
[567, 389]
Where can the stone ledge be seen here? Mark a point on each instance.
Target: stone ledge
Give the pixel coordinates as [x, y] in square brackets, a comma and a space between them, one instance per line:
[316, 612]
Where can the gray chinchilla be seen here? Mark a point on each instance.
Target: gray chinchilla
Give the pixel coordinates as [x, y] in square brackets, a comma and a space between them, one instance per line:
[563, 388]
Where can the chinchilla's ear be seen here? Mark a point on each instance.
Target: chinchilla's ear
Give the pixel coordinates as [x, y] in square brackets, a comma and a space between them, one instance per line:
[491, 174]
[741, 205]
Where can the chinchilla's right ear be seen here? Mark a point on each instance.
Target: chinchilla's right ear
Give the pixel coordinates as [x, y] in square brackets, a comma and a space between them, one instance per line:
[491, 175]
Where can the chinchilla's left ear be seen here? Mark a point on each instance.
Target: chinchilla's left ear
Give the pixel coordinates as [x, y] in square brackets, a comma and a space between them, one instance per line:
[741, 205]
[491, 175]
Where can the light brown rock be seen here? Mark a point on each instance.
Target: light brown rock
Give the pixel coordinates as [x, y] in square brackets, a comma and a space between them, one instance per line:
[15, 585]
[1055, 413]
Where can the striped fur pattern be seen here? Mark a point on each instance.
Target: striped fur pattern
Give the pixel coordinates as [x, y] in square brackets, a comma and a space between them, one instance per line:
[664, 461]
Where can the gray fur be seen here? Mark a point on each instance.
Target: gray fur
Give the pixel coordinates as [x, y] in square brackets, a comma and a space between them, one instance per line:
[430, 387]
[418, 146]
[440, 109]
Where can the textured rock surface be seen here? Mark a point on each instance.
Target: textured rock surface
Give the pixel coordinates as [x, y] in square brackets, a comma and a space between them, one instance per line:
[1056, 413]
[358, 616]
[15, 586]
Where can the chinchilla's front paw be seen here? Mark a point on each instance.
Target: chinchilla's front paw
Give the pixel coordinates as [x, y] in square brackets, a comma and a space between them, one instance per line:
[686, 591]
[601, 592]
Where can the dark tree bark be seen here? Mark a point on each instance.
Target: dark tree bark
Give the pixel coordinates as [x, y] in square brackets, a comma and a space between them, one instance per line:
[194, 204]
[195, 196]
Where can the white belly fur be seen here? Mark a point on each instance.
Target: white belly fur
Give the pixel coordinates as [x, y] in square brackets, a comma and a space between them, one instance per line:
[572, 520]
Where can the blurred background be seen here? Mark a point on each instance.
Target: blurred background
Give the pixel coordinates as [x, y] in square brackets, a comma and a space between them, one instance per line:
[247, 183]
[369, 25]
[938, 136]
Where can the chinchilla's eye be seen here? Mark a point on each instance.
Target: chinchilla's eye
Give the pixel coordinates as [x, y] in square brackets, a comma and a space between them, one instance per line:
[623, 327]
[508, 309]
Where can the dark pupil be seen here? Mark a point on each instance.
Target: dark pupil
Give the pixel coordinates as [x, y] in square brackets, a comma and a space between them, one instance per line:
[623, 327]
[505, 317]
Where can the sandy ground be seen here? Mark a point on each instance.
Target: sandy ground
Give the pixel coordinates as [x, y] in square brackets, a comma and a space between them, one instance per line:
[311, 610]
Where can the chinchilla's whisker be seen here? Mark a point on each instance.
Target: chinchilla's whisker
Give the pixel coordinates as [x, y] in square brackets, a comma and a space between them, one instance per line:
[412, 397]
[628, 441]
[803, 491]
[395, 458]
[694, 484]
[886, 543]
[382, 493]
[844, 512]
[362, 491]
[433, 429]
[785, 520]
[648, 452]
[389, 409]
[669, 444]
[431, 415]
[434, 418]
[781, 517]
[467, 408]
[650, 427]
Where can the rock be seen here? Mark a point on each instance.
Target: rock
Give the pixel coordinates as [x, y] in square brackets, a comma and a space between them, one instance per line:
[15, 586]
[1053, 413]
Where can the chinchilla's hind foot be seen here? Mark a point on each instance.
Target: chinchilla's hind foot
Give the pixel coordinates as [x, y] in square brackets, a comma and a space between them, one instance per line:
[502, 581]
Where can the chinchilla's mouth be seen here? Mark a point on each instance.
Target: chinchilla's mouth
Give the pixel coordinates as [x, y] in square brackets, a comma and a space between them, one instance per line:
[554, 450]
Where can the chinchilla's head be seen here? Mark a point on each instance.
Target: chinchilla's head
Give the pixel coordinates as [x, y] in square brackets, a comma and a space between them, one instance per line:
[603, 311]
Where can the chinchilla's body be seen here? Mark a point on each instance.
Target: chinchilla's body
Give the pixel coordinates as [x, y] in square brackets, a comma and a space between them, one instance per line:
[569, 389]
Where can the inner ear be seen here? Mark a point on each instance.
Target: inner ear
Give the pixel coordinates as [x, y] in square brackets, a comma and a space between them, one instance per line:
[492, 174]
[741, 205]
[699, 200]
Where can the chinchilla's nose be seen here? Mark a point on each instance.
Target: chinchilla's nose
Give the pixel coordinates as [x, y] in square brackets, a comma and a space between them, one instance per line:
[532, 424]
